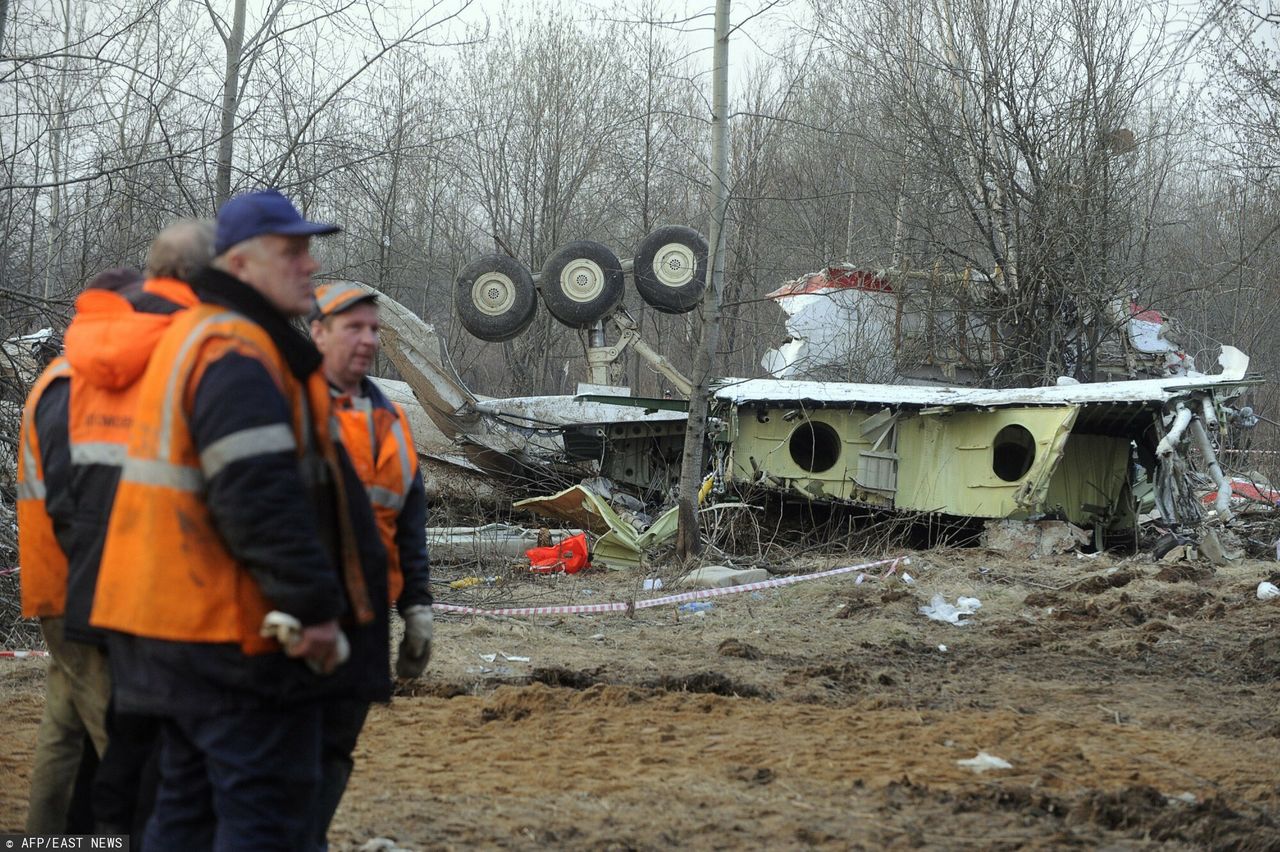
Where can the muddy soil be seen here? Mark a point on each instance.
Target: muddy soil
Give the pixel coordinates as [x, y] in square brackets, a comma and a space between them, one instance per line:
[1138, 705]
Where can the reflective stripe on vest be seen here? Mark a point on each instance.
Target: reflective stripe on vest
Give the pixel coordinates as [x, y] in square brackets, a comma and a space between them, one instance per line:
[44, 565]
[98, 452]
[378, 442]
[246, 444]
[166, 571]
[170, 403]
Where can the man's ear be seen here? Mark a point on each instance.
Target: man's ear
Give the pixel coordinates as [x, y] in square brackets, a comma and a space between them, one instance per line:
[233, 261]
[317, 330]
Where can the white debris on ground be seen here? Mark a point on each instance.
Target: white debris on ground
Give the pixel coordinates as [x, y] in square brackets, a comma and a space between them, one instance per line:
[721, 576]
[939, 610]
[984, 762]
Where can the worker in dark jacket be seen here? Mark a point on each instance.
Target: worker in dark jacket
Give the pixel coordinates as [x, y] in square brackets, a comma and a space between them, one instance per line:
[242, 567]
[83, 420]
[375, 434]
[77, 684]
[108, 348]
[74, 433]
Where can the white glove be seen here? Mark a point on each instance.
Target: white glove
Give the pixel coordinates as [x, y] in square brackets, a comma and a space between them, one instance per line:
[415, 647]
[287, 630]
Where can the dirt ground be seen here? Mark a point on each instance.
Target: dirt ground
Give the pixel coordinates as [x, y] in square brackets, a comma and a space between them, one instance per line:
[1136, 702]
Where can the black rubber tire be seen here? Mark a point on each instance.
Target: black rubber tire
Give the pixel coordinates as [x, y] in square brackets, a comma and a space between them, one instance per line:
[495, 297]
[671, 269]
[582, 283]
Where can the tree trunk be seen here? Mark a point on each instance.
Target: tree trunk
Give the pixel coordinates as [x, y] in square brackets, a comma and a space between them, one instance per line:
[230, 104]
[689, 538]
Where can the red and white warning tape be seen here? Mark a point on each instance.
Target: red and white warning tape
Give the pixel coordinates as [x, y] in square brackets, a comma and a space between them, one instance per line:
[629, 606]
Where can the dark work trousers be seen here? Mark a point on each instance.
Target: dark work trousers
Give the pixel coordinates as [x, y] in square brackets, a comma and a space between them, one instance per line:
[244, 779]
[340, 728]
[124, 790]
[80, 816]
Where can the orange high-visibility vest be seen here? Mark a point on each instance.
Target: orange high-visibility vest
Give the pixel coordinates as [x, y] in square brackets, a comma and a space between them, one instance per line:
[43, 564]
[106, 378]
[108, 345]
[178, 292]
[166, 572]
[382, 452]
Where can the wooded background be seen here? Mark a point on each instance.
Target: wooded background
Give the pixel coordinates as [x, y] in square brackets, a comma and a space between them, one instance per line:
[1087, 150]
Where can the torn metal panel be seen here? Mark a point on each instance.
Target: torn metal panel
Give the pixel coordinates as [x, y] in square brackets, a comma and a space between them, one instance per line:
[991, 464]
[620, 544]
[982, 464]
[824, 455]
[427, 437]
[1235, 365]
[579, 507]
[565, 410]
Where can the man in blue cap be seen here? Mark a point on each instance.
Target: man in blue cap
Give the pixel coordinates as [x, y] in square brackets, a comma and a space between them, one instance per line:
[242, 564]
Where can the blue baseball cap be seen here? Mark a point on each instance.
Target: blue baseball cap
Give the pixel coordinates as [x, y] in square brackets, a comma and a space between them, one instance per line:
[266, 212]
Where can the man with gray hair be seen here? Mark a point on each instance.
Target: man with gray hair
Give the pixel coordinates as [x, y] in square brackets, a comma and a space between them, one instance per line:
[181, 250]
[176, 256]
[125, 782]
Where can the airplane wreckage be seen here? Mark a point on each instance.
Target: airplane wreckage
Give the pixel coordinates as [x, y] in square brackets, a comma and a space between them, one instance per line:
[1100, 456]
[1103, 456]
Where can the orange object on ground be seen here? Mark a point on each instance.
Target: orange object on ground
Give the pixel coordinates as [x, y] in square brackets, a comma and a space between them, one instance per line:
[569, 556]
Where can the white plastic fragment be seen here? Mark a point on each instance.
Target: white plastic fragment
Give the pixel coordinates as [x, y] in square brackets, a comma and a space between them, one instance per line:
[382, 844]
[513, 659]
[942, 648]
[489, 658]
[908, 579]
[1267, 591]
[939, 610]
[652, 583]
[985, 761]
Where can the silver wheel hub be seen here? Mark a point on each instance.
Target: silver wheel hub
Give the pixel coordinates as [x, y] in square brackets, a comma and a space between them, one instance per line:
[674, 265]
[582, 280]
[493, 294]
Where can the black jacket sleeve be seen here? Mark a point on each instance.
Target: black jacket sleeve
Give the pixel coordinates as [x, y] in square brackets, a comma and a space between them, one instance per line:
[52, 412]
[411, 541]
[256, 493]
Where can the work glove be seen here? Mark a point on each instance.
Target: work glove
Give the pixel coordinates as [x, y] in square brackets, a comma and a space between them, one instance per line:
[415, 647]
[298, 642]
